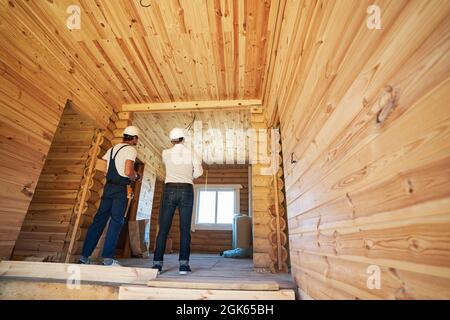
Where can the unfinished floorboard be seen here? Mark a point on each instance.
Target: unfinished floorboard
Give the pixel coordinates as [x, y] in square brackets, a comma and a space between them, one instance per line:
[150, 293]
[88, 273]
[42, 290]
[215, 284]
[209, 268]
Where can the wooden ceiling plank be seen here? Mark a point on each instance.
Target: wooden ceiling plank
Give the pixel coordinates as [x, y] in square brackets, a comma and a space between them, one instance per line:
[102, 47]
[185, 106]
[152, 53]
[66, 54]
[114, 88]
[124, 53]
[136, 74]
[242, 48]
[265, 13]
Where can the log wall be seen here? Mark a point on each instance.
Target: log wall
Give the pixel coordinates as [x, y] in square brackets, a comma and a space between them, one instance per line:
[51, 210]
[37, 76]
[365, 127]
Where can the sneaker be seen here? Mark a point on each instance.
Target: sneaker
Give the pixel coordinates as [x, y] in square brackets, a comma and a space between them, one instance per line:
[158, 267]
[84, 260]
[185, 269]
[111, 262]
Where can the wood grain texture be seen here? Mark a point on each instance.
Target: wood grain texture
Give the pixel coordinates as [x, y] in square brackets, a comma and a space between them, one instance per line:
[123, 53]
[362, 191]
[263, 199]
[223, 135]
[150, 293]
[216, 284]
[64, 272]
[46, 290]
[193, 106]
[212, 268]
[170, 51]
[363, 113]
[55, 197]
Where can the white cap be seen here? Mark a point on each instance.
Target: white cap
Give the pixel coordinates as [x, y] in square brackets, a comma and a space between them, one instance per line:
[176, 133]
[131, 131]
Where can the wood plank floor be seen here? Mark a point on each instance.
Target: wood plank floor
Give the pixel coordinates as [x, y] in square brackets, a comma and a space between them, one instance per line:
[209, 267]
[213, 277]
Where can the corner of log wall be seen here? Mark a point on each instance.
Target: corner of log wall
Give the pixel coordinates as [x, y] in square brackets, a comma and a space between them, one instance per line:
[269, 239]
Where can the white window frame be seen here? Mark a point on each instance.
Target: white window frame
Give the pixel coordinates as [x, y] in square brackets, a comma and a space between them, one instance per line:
[215, 187]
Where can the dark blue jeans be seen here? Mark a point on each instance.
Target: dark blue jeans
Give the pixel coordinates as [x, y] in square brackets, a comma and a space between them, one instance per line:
[175, 195]
[113, 205]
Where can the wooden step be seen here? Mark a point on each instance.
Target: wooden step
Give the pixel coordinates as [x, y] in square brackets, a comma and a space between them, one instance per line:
[155, 293]
[48, 290]
[63, 272]
[217, 284]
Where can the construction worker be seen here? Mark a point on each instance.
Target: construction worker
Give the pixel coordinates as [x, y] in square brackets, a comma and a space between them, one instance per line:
[120, 173]
[182, 166]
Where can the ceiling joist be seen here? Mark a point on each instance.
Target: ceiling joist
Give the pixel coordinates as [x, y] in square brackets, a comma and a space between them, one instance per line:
[188, 106]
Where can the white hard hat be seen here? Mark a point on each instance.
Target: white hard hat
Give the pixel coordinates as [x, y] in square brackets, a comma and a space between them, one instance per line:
[176, 133]
[131, 131]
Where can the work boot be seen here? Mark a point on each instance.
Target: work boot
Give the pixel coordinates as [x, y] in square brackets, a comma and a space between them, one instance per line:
[185, 269]
[157, 267]
[84, 260]
[111, 262]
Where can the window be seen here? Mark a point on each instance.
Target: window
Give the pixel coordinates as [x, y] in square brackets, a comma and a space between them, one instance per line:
[215, 206]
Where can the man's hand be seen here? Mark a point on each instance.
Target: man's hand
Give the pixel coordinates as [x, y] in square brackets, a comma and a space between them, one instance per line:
[137, 177]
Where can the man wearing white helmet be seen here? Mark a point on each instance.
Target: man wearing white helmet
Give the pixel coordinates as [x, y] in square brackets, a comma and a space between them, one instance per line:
[182, 166]
[120, 173]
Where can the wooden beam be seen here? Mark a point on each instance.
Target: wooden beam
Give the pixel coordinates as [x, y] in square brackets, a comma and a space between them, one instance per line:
[44, 290]
[217, 284]
[149, 293]
[86, 180]
[65, 271]
[187, 106]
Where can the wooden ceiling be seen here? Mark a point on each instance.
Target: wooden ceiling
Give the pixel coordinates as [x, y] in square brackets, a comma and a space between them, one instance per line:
[177, 50]
[156, 128]
[124, 53]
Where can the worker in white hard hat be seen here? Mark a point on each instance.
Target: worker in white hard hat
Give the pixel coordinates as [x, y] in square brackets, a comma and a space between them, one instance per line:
[120, 161]
[182, 166]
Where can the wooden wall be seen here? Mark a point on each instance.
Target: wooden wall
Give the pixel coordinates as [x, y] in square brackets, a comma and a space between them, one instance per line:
[46, 224]
[371, 183]
[37, 76]
[268, 197]
[212, 241]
